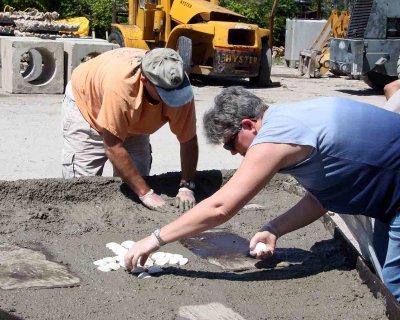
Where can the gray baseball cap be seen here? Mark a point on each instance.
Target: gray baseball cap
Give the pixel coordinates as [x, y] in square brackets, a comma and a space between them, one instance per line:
[164, 68]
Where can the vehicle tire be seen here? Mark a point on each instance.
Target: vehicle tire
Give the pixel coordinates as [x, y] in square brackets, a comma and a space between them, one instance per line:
[377, 80]
[263, 79]
[398, 68]
[116, 37]
[184, 48]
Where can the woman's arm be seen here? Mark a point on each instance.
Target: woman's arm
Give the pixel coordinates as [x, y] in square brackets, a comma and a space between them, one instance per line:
[306, 211]
[260, 164]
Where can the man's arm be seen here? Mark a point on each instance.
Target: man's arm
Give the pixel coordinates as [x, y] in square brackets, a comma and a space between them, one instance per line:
[189, 155]
[122, 162]
[189, 152]
[126, 169]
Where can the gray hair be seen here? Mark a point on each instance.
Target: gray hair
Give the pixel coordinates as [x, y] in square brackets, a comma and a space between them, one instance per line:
[231, 106]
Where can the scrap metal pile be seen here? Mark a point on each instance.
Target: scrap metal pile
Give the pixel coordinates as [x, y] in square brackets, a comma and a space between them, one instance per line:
[32, 23]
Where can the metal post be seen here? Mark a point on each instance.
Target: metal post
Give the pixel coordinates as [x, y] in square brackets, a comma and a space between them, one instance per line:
[271, 24]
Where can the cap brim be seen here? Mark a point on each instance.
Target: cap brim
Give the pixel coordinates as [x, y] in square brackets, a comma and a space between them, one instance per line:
[178, 96]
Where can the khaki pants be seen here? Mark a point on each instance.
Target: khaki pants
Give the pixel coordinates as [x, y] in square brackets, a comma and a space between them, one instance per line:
[83, 150]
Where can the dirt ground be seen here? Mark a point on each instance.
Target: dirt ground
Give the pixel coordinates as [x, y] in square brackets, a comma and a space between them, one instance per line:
[71, 222]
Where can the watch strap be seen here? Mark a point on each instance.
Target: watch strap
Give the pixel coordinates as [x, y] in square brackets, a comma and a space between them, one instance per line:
[188, 184]
[156, 233]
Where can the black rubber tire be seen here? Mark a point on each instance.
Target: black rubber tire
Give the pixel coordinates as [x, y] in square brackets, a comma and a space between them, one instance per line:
[184, 48]
[116, 37]
[263, 79]
[377, 80]
[398, 68]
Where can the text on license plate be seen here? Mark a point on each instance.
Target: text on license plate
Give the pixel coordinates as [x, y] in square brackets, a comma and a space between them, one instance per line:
[229, 58]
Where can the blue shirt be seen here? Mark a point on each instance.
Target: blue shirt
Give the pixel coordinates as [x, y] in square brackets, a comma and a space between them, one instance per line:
[355, 165]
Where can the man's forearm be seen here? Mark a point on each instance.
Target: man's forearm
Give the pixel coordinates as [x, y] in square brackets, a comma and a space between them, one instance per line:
[127, 171]
[189, 152]
[123, 164]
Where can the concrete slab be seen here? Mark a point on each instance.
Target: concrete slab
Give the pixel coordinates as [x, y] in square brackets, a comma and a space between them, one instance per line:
[25, 268]
[43, 71]
[76, 50]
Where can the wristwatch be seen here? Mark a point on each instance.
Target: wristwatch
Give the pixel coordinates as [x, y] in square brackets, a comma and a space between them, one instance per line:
[161, 242]
[189, 184]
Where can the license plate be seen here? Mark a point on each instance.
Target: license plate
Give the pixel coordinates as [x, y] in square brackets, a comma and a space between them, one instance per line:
[241, 59]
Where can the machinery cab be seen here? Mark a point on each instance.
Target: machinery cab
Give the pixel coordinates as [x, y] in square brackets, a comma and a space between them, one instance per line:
[371, 48]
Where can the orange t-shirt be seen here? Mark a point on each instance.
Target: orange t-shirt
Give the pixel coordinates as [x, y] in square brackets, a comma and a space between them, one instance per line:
[109, 94]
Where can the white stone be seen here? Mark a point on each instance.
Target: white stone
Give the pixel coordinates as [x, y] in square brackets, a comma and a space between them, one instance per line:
[119, 258]
[105, 268]
[183, 261]
[117, 248]
[109, 259]
[128, 244]
[149, 262]
[114, 266]
[253, 206]
[157, 255]
[144, 275]
[111, 245]
[162, 261]
[100, 262]
[260, 248]
[174, 259]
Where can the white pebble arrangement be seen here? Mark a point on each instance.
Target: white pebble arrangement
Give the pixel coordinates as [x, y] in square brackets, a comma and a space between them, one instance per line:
[152, 265]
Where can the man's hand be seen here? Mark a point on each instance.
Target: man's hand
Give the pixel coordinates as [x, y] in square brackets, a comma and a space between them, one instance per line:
[185, 200]
[261, 251]
[154, 202]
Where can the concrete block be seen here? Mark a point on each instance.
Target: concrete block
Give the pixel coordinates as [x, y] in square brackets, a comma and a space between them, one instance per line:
[77, 51]
[31, 65]
[1, 39]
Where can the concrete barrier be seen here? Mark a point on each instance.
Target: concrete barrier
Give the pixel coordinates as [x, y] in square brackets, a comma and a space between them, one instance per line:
[31, 65]
[79, 50]
[1, 39]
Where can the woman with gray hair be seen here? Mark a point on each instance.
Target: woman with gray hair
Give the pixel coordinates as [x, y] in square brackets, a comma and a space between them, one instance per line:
[343, 152]
[231, 106]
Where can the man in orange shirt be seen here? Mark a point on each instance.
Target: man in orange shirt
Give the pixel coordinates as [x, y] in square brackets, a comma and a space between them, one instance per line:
[111, 106]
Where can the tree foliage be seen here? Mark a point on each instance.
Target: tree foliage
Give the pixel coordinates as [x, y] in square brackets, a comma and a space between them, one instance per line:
[259, 12]
[99, 12]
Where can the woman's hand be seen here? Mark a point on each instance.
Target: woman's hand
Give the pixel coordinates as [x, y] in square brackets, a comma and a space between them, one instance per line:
[262, 245]
[140, 251]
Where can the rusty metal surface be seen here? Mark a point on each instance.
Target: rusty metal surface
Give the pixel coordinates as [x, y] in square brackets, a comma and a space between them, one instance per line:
[236, 63]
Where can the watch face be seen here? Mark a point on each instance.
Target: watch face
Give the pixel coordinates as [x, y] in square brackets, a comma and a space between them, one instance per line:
[190, 185]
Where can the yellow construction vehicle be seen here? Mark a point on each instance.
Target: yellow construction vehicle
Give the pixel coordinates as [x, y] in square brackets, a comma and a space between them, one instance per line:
[210, 38]
[314, 62]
